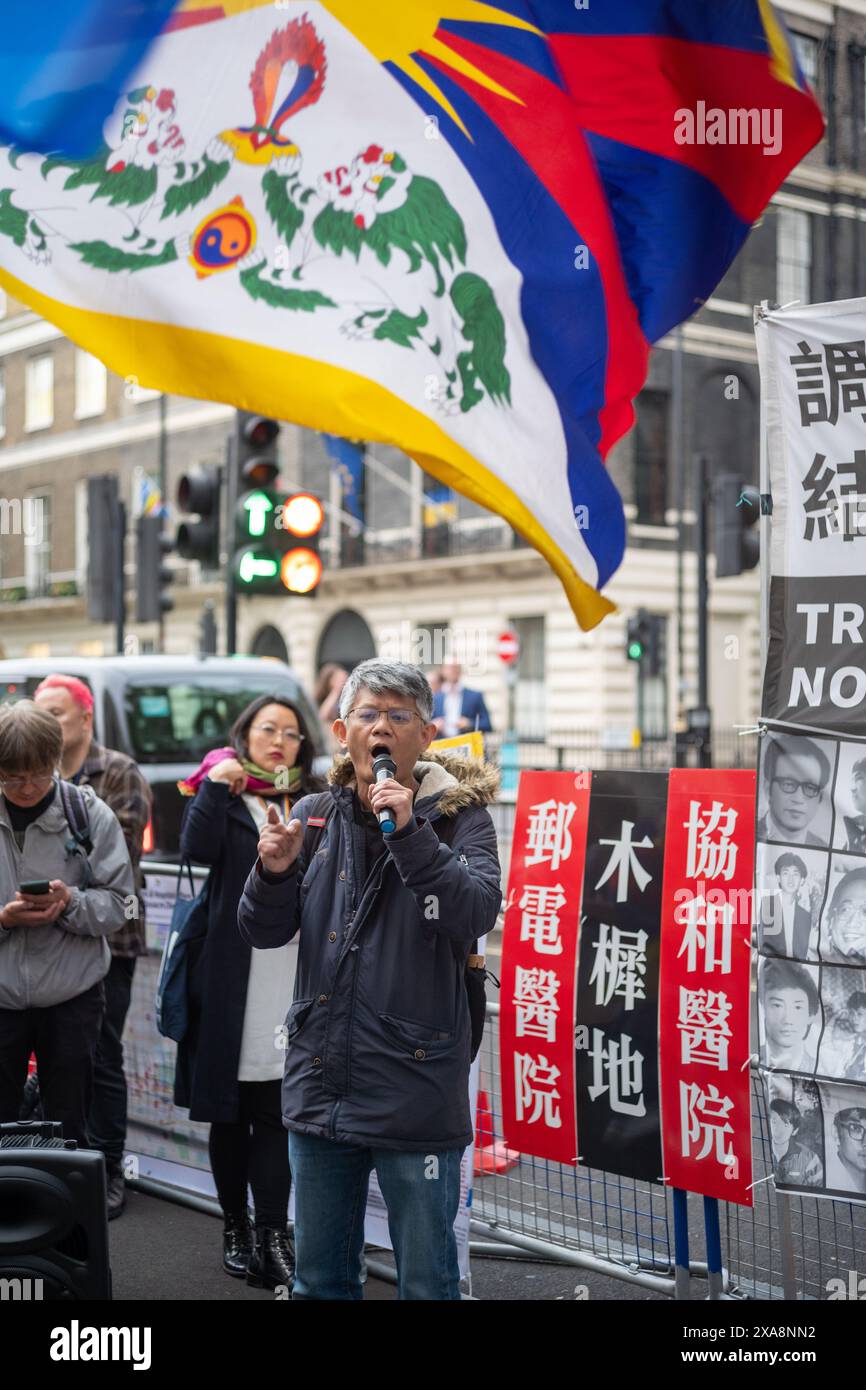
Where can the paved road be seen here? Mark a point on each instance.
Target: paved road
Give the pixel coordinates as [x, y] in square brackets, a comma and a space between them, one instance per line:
[163, 1251]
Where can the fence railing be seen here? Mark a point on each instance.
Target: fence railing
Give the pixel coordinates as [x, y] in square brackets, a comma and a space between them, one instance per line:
[782, 1247]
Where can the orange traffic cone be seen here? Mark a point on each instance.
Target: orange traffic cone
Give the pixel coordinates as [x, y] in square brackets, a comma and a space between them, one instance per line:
[492, 1155]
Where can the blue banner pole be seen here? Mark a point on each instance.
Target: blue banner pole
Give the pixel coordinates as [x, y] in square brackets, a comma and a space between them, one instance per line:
[681, 1244]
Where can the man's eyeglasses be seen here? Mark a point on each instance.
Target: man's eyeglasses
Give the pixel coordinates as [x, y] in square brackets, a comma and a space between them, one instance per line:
[789, 786]
[854, 1129]
[368, 714]
[35, 779]
[849, 912]
[271, 731]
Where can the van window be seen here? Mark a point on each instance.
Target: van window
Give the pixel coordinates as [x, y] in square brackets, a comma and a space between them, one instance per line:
[12, 689]
[180, 722]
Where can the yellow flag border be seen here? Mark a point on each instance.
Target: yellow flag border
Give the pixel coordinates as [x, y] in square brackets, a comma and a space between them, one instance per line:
[181, 361]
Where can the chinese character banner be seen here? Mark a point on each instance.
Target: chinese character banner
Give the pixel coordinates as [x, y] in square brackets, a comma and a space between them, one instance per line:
[811, 814]
[539, 956]
[705, 975]
[813, 380]
[616, 1041]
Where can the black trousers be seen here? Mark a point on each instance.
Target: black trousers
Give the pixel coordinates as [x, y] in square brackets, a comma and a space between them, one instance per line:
[107, 1119]
[255, 1151]
[64, 1038]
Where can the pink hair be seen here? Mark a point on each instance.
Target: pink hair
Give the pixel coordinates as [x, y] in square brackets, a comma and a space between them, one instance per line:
[81, 694]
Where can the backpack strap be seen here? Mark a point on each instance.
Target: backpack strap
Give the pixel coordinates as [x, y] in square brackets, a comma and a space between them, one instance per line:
[78, 820]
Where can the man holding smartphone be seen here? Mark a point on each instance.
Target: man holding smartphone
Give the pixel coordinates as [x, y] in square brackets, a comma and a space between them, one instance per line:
[57, 907]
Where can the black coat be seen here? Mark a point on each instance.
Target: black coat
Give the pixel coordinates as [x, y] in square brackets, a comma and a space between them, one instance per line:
[378, 1035]
[217, 830]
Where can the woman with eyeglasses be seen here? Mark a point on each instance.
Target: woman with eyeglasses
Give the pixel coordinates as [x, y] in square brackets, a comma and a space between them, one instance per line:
[230, 1064]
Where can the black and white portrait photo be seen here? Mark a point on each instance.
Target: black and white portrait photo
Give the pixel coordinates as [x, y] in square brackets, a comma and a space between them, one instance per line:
[791, 887]
[790, 1015]
[843, 919]
[796, 776]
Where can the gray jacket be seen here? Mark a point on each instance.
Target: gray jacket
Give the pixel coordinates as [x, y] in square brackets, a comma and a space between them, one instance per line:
[41, 966]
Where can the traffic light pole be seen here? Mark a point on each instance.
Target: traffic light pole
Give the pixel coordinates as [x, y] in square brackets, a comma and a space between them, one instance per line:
[706, 756]
[120, 594]
[231, 494]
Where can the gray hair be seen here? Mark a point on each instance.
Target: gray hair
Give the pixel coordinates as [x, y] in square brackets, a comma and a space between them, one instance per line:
[388, 678]
[31, 739]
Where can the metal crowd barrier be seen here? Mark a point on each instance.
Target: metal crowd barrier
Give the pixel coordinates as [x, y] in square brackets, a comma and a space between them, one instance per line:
[783, 1247]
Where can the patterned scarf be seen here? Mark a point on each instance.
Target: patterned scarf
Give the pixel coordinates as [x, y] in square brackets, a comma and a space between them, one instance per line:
[260, 780]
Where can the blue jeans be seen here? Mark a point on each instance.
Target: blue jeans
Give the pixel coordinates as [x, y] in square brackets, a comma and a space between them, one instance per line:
[421, 1192]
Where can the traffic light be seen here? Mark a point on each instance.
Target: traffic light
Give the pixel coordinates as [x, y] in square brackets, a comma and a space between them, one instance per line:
[736, 516]
[269, 526]
[637, 636]
[256, 560]
[301, 519]
[152, 574]
[198, 494]
[645, 641]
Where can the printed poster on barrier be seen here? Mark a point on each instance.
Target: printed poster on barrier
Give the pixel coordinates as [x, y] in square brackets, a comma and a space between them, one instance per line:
[616, 1040]
[539, 955]
[470, 745]
[811, 823]
[813, 382]
[705, 982]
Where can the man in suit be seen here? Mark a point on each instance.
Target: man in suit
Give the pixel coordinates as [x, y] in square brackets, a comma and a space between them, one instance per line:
[785, 924]
[456, 708]
[855, 826]
[796, 773]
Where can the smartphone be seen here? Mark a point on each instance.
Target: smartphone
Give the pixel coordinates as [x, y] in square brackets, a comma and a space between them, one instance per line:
[36, 885]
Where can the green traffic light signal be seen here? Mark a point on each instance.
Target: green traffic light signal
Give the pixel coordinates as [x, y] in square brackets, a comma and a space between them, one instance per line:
[258, 507]
[635, 651]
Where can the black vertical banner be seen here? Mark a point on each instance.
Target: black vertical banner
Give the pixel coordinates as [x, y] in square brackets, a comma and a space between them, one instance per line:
[616, 1035]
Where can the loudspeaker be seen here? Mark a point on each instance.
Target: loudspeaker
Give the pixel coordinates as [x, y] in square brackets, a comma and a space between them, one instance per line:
[53, 1220]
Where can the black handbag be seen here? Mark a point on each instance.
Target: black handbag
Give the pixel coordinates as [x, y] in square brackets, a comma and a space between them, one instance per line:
[188, 928]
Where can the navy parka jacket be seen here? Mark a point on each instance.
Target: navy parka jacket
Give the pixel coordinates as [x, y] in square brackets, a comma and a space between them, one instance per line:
[378, 1036]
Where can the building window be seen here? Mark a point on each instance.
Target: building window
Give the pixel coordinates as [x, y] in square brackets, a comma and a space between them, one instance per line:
[91, 385]
[39, 393]
[37, 546]
[82, 547]
[807, 48]
[794, 257]
[527, 693]
[650, 457]
[430, 645]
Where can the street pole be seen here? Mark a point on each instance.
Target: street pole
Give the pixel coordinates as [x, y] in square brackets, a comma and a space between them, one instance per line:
[700, 477]
[679, 487]
[163, 485]
[231, 492]
[120, 578]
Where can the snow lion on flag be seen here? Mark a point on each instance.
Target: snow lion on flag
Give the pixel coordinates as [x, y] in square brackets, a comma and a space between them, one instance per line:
[369, 239]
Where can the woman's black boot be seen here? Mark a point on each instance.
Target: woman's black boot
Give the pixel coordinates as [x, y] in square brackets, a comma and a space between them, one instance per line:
[237, 1244]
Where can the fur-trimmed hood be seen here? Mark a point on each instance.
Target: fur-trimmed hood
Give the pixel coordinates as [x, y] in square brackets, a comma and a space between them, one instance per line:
[455, 782]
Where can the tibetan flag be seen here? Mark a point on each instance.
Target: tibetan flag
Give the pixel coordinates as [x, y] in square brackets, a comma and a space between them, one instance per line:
[63, 63]
[449, 226]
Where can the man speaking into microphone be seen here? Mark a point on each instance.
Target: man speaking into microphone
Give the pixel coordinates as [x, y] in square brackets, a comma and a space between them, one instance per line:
[390, 877]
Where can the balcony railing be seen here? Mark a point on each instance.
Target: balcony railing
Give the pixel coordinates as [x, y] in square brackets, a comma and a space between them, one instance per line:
[431, 542]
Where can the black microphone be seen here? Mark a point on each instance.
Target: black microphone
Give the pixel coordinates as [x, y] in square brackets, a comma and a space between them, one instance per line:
[383, 768]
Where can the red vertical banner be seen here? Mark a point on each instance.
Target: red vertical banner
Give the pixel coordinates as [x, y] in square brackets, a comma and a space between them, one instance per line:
[707, 899]
[539, 960]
